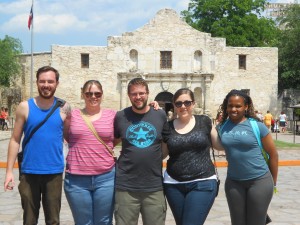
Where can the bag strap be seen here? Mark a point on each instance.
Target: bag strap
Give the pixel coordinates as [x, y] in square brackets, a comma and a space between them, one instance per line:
[59, 103]
[220, 127]
[256, 131]
[93, 130]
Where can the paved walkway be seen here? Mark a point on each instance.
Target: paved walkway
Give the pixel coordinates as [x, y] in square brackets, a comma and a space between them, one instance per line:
[284, 209]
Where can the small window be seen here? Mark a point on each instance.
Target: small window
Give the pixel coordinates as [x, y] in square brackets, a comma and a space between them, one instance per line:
[242, 62]
[85, 60]
[166, 60]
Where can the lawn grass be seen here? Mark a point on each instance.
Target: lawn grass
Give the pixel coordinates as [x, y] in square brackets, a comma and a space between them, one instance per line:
[282, 144]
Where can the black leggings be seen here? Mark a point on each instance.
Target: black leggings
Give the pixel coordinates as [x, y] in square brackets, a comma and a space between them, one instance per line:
[249, 200]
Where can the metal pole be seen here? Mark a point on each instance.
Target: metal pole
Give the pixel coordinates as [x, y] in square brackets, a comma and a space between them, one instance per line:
[276, 123]
[31, 70]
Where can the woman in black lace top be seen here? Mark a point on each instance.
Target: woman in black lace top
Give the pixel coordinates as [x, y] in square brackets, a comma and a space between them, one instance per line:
[190, 181]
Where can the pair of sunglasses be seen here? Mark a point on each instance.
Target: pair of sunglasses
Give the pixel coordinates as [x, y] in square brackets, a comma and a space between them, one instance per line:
[185, 103]
[91, 94]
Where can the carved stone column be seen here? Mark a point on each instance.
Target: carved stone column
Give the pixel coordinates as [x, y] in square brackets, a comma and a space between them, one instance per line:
[188, 81]
[207, 80]
[123, 91]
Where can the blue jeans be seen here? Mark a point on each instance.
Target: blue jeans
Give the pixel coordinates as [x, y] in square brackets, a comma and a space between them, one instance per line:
[91, 198]
[190, 202]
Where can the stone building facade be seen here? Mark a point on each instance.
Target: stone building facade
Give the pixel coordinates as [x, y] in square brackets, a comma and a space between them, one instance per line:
[169, 54]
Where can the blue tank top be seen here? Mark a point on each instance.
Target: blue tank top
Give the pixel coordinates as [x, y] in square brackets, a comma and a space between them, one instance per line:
[44, 152]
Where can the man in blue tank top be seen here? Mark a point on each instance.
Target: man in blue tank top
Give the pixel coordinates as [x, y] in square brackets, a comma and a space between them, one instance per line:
[43, 163]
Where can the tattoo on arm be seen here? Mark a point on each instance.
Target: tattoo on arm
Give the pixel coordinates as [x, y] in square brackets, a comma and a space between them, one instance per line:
[66, 109]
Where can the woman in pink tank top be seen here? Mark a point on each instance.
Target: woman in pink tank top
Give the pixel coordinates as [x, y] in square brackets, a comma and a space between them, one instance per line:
[90, 166]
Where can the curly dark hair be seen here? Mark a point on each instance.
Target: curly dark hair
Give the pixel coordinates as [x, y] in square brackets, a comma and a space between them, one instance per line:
[247, 101]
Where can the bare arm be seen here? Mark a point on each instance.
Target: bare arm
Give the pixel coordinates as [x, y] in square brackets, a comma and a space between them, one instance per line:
[270, 148]
[14, 144]
[65, 113]
[216, 142]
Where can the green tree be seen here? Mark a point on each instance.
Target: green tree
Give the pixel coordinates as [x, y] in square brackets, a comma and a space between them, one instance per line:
[239, 21]
[289, 49]
[10, 48]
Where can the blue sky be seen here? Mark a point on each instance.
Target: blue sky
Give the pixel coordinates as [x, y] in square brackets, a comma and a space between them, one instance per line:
[79, 22]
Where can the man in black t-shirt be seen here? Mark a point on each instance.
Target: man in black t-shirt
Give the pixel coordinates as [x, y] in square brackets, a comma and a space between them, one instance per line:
[139, 187]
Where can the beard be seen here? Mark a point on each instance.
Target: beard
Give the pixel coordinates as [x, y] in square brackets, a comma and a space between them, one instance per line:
[139, 107]
[47, 95]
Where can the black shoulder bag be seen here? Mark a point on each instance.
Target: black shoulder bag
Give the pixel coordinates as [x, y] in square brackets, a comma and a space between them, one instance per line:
[59, 103]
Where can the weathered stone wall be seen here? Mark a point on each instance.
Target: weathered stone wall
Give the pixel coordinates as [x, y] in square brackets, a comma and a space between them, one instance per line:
[260, 76]
[199, 61]
[39, 60]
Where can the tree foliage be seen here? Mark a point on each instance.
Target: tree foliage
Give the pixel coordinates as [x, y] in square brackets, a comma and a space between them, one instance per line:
[10, 66]
[238, 21]
[289, 49]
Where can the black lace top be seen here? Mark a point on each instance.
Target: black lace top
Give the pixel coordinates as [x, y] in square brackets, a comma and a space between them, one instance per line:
[189, 153]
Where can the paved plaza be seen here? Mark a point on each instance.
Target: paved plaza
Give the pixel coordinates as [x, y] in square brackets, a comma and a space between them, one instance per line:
[284, 208]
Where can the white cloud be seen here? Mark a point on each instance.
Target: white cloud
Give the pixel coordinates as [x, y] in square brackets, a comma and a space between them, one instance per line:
[55, 24]
[14, 7]
[59, 16]
[79, 21]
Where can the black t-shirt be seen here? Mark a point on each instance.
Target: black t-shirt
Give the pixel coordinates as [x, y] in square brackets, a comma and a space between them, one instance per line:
[190, 153]
[139, 167]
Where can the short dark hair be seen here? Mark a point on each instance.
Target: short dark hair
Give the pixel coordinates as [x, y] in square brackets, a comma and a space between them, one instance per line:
[46, 69]
[137, 81]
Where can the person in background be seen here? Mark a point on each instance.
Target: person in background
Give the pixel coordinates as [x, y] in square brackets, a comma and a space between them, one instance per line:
[273, 125]
[6, 119]
[190, 181]
[2, 113]
[250, 180]
[268, 120]
[90, 167]
[282, 121]
[139, 186]
[259, 115]
[43, 162]
[218, 118]
[170, 115]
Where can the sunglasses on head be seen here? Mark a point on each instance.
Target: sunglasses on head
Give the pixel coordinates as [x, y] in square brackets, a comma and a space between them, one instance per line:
[185, 103]
[91, 94]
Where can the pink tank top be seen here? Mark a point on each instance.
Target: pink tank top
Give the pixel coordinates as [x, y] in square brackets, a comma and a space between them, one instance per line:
[87, 156]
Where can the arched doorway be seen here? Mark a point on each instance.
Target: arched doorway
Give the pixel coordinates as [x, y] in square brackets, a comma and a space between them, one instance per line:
[164, 100]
